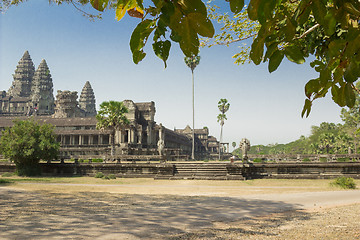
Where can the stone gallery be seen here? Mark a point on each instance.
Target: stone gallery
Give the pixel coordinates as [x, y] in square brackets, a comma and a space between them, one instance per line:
[31, 96]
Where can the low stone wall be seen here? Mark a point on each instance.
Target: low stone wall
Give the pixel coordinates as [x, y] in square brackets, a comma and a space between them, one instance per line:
[118, 169]
[230, 171]
[301, 170]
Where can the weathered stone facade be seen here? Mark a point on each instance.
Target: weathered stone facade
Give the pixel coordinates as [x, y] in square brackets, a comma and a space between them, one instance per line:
[87, 100]
[205, 145]
[31, 93]
[31, 96]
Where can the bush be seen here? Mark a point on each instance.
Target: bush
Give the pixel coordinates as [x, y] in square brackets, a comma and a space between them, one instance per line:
[306, 160]
[323, 159]
[344, 182]
[343, 160]
[111, 176]
[257, 160]
[7, 174]
[98, 160]
[99, 175]
[4, 181]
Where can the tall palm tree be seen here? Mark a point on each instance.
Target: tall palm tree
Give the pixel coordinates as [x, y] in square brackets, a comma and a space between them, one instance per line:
[223, 106]
[192, 62]
[112, 116]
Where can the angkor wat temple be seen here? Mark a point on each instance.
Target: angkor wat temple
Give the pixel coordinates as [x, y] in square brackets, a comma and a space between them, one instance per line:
[31, 96]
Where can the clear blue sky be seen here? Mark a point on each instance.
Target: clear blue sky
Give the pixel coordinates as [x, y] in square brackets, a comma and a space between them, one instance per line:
[265, 108]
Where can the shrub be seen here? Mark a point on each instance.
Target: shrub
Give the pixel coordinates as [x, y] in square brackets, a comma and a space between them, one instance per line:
[343, 160]
[107, 177]
[306, 160]
[99, 175]
[111, 176]
[323, 159]
[7, 174]
[257, 160]
[344, 182]
[4, 181]
[98, 160]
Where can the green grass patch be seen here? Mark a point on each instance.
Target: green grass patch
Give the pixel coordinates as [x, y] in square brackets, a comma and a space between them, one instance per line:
[343, 159]
[306, 160]
[323, 159]
[344, 182]
[5, 181]
[257, 160]
[8, 174]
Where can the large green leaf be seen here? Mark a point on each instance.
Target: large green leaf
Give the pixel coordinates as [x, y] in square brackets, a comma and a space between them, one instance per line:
[257, 50]
[302, 12]
[294, 54]
[319, 10]
[307, 108]
[139, 38]
[192, 6]
[99, 5]
[253, 9]
[352, 72]
[275, 60]
[236, 5]
[338, 95]
[184, 32]
[311, 87]
[201, 24]
[330, 23]
[265, 10]
[162, 49]
[349, 95]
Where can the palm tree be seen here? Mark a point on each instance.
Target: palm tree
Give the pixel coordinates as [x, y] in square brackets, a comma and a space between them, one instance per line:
[223, 106]
[234, 144]
[192, 62]
[112, 116]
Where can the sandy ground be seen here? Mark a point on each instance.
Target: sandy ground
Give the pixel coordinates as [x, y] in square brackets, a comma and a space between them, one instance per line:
[176, 210]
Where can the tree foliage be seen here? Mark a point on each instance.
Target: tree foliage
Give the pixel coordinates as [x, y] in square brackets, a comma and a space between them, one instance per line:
[26, 143]
[112, 115]
[327, 30]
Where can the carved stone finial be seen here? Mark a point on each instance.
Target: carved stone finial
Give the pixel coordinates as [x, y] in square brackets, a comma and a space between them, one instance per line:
[42, 90]
[21, 86]
[87, 100]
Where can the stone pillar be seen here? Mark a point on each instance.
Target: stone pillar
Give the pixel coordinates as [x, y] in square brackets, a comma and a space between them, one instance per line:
[149, 136]
[139, 136]
[62, 140]
[80, 140]
[71, 139]
[101, 140]
[132, 135]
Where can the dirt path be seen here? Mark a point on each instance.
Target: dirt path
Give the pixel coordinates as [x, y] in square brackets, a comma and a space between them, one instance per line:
[44, 214]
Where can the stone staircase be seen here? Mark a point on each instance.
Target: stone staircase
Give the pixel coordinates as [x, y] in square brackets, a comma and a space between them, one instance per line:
[204, 171]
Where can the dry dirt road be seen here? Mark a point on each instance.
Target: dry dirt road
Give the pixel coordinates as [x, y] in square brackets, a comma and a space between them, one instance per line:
[42, 211]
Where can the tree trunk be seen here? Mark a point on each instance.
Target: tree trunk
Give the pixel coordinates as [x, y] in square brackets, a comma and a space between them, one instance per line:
[193, 108]
[112, 142]
[221, 130]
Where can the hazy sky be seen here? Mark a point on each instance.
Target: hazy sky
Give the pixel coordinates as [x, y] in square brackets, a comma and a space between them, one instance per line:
[265, 108]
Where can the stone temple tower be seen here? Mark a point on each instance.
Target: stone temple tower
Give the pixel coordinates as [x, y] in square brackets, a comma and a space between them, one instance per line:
[21, 86]
[87, 100]
[42, 96]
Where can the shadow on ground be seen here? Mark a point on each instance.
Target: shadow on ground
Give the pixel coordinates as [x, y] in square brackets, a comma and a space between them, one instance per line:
[88, 215]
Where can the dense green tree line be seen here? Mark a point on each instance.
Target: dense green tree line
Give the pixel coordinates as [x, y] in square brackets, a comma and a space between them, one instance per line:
[327, 138]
